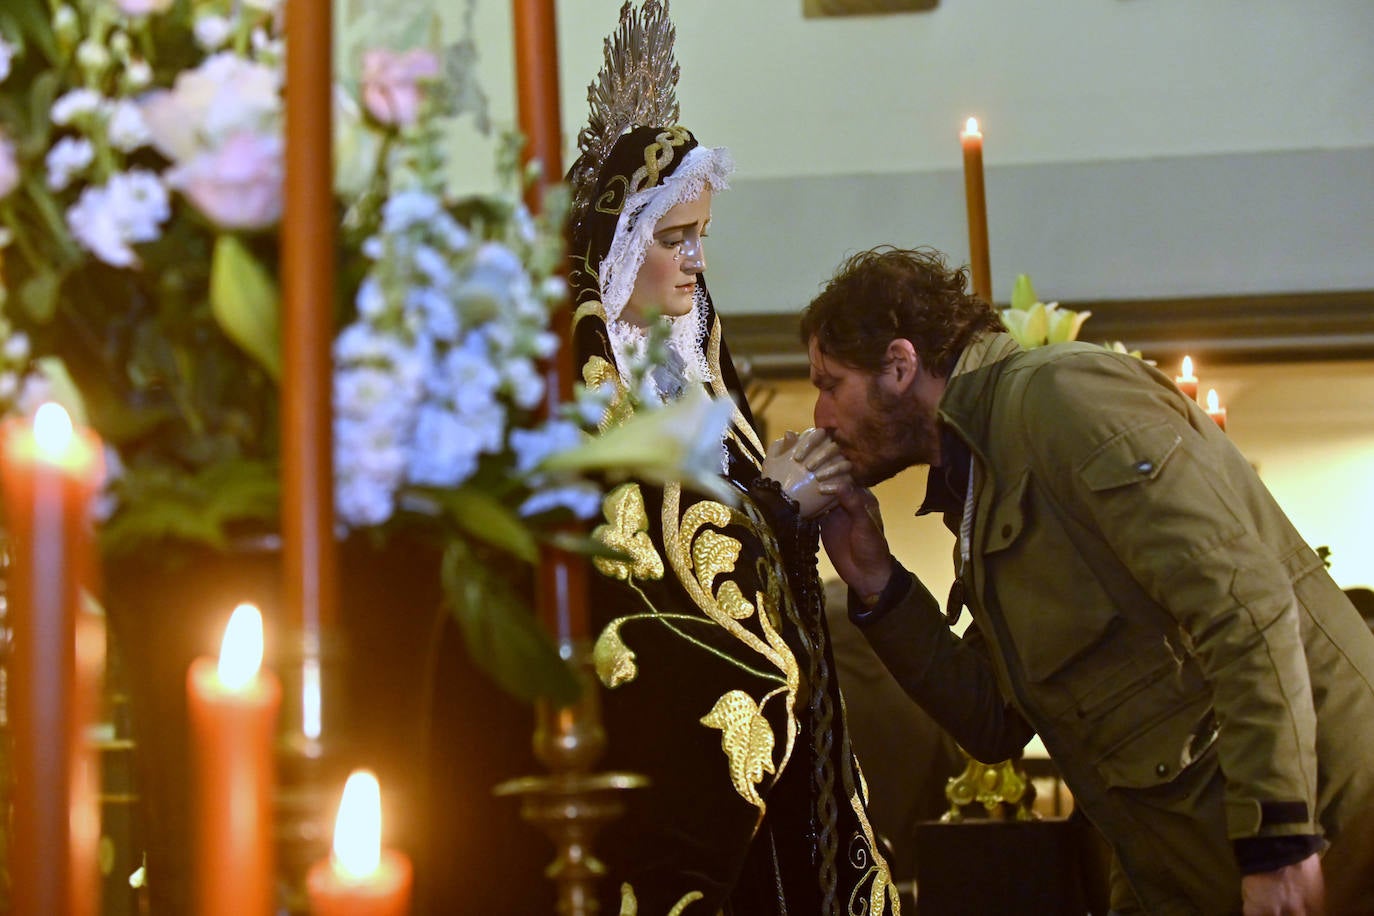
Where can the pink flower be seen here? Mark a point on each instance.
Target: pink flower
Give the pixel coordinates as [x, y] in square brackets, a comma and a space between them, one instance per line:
[391, 84]
[9, 167]
[238, 185]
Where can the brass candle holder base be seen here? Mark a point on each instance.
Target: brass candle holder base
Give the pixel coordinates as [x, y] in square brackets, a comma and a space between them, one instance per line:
[572, 804]
[309, 754]
[571, 809]
[995, 786]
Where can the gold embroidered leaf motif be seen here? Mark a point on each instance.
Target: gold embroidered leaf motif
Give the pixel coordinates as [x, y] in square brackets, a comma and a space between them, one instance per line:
[627, 530]
[733, 602]
[629, 904]
[596, 372]
[714, 554]
[615, 663]
[747, 739]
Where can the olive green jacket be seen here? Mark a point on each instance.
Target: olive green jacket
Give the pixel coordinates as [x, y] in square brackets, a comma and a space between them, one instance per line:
[1143, 604]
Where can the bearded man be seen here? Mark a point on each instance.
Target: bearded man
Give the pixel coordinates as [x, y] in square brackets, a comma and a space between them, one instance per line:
[1138, 597]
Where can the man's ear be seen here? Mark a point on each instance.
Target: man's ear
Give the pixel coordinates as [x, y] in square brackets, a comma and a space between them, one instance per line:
[902, 364]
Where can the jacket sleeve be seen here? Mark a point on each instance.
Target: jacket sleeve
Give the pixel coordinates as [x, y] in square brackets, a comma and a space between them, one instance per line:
[1144, 470]
[950, 677]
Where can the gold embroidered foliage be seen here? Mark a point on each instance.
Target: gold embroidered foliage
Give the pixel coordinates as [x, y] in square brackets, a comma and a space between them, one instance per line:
[747, 739]
[627, 530]
[629, 904]
[615, 662]
[712, 555]
[596, 372]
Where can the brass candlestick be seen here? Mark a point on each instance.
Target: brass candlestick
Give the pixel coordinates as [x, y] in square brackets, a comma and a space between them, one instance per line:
[571, 804]
[995, 786]
[308, 760]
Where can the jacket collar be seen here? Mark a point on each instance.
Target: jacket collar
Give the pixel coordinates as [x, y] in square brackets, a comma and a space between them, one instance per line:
[968, 396]
[962, 411]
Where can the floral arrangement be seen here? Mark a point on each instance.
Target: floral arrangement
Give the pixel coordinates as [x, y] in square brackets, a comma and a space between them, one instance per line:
[1034, 323]
[141, 162]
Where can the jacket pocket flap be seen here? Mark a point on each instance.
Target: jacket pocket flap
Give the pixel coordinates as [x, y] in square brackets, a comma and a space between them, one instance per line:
[1160, 750]
[1129, 457]
[1007, 516]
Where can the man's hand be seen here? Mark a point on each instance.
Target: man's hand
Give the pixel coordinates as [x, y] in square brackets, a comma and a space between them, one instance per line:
[1294, 890]
[854, 539]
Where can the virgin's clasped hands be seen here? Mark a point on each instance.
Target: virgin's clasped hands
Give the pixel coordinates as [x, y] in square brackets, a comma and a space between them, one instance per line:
[809, 468]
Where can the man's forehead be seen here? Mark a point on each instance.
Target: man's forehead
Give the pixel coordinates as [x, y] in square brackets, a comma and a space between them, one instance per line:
[823, 366]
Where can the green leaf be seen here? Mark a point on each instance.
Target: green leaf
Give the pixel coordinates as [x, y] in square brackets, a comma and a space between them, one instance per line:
[31, 21]
[38, 295]
[246, 302]
[586, 546]
[502, 636]
[160, 504]
[1023, 294]
[489, 520]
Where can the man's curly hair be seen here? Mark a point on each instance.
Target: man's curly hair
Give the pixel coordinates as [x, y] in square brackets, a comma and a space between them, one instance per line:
[880, 295]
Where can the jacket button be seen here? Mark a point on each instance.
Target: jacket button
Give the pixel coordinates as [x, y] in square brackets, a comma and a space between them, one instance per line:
[1006, 532]
[1145, 466]
[1161, 769]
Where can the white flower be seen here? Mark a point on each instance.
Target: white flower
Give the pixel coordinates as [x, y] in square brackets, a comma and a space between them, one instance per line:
[469, 374]
[408, 208]
[137, 76]
[143, 7]
[9, 386]
[368, 392]
[212, 31]
[361, 500]
[581, 497]
[524, 382]
[6, 57]
[16, 347]
[127, 129]
[224, 96]
[69, 156]
[532, 446]
[107, 219]
[445, 450]
[72, 106]
[9, 167]
[92, 56]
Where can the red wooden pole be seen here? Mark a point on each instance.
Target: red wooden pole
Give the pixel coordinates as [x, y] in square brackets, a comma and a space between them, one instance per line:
[562, 577]
[307, 254]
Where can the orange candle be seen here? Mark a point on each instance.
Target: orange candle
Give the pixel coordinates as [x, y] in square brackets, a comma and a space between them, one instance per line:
[360, 878]
[233, 708]
[51, 473]
[1215, 410]
[972, 141]
[1187, 382]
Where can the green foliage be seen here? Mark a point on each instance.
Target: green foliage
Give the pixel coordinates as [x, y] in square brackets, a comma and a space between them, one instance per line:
[245, 302]
[502, 635]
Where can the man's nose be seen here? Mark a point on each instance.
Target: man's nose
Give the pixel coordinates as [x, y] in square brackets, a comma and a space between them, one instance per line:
[823, 416]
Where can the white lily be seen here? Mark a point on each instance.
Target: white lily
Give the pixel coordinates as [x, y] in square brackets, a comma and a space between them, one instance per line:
[680, 442]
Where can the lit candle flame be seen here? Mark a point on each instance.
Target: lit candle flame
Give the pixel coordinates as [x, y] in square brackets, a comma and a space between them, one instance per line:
[1187, 367]
[971, 127]
[358, 830]
[1213, 402]
[52, 430]
[240, 655]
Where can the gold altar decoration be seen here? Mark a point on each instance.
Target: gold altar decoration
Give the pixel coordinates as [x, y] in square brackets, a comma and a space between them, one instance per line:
[998, 787]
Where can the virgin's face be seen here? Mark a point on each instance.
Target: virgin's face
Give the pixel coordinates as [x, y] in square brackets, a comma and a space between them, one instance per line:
[667, 279]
